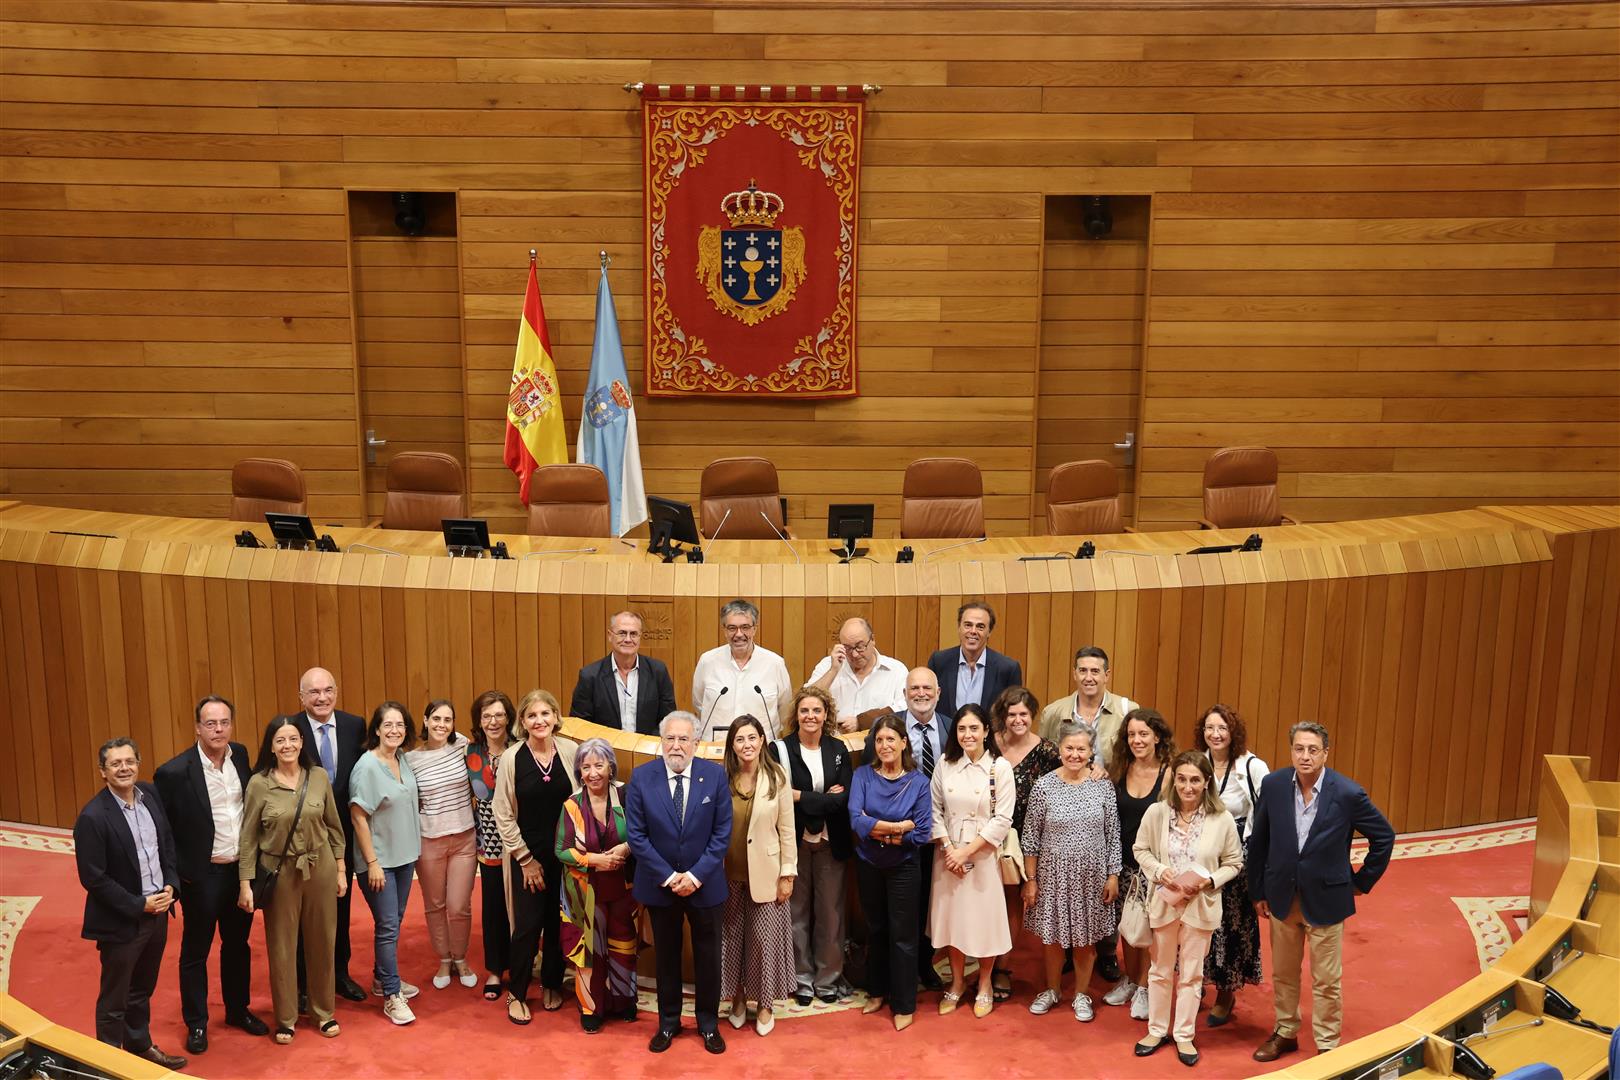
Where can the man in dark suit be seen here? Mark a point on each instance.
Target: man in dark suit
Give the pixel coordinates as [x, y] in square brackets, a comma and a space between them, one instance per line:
[202, 789]
[624, 689]
[337, 739]
[972, 672]
[926, 730]
[1302, 881]
[125, 854]
[677, 811]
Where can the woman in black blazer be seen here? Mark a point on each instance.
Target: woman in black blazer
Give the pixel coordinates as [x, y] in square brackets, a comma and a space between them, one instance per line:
[819, 765]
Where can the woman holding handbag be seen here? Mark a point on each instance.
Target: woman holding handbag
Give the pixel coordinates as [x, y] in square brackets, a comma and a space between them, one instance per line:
[973, 796]
[1234, 949]
[1012, 718]
[1139, 769]
[1188, 847]
[292, 835]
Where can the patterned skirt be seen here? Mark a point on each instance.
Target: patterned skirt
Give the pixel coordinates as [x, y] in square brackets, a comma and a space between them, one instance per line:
[1234, 949]
[756, 949]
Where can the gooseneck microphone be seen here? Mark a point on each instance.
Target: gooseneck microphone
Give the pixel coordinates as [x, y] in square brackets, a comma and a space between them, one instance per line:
[952, 547]
[781, 537]
[723, 519]
[704, 724]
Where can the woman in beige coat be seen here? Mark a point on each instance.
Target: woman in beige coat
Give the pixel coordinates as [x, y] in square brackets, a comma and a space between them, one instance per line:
[756, 934]
[1188, 848]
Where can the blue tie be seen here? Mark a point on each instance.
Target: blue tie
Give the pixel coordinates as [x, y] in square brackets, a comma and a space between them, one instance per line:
[680, 800]
[326, 752]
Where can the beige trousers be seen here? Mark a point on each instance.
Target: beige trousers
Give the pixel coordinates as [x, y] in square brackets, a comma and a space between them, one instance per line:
[1291, 938]
[1171, 993]
[445, 870]
[307, 906]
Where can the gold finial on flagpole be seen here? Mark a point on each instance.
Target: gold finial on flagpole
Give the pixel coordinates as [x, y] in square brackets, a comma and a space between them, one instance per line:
[605, 259]
[533, 254]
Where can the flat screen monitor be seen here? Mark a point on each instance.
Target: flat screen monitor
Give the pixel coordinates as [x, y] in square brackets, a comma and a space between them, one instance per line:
[290, 529]
[850, 521]
[462, 535]
[672, 520]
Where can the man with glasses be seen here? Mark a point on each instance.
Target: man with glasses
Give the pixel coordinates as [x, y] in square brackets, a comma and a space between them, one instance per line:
[336, 739]
[201, 788]
[864, 683]
[1302, 881]
[677, 811]
[739, 678]
[624, 689]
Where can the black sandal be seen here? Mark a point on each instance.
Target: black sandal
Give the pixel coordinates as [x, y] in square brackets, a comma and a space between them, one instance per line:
[1001, 984]
[492, 989]
[520, 1021]
[330, 1029]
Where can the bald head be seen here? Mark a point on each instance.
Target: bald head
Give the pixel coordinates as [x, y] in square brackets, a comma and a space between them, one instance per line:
[859, 647]
[317, 693]
[922, 692]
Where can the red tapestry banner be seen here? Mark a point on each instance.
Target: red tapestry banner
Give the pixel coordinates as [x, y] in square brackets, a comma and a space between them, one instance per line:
[751, 239]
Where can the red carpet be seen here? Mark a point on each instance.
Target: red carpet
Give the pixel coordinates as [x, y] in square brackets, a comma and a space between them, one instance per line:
[1409, 944]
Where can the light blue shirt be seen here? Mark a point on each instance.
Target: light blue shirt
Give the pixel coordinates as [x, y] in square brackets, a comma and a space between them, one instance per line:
[1305, 813]
[970, 679]
[144, 830]
[396, 833]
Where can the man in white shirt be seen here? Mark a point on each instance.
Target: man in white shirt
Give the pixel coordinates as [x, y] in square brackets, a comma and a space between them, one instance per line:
[860, 679]
[201, 788]
[1092, 703]
[739, 678]
[624, 689]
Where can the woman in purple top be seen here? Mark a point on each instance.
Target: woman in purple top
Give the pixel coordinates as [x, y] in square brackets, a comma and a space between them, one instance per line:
[892, 813]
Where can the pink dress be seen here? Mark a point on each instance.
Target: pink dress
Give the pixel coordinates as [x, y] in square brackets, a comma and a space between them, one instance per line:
[969, 913]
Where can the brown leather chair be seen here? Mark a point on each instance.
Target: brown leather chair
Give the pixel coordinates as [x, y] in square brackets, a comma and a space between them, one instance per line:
[1082, 499]
[424, 488]
[569, 500]
[262, 485]
[747, 487]
[1240, 489]
[943, 497]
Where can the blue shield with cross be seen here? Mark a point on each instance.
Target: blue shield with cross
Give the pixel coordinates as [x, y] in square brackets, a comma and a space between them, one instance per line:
[751, 264]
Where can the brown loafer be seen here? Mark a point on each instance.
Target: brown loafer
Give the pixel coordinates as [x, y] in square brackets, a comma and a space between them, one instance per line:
[172, 1062]
[1275, 1047]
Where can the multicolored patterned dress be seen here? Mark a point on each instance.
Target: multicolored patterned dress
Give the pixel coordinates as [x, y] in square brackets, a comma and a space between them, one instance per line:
[598, 912]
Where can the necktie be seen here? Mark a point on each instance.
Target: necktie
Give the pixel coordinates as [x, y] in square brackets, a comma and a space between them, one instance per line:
[927, 750]
[680, 800]
[327, 762]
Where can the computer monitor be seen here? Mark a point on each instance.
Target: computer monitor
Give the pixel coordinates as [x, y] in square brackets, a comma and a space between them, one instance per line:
[291, 530]
[670, 521]
[465, 537]
[849, 522]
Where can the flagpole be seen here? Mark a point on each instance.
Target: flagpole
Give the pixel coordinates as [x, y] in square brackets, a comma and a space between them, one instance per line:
[533, 254]
[605, 259]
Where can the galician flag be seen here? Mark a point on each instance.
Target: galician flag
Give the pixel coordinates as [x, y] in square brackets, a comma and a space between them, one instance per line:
[607, 427]
[534, 419]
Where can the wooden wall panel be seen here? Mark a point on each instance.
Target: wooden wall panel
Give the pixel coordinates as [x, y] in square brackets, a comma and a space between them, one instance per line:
[1384, 238]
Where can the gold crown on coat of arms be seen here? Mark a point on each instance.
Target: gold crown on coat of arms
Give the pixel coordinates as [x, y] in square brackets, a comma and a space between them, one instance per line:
[752, 207]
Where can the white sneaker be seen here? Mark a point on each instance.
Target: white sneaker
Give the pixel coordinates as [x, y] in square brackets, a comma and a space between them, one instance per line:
[1139, 1009]
[1043, 1002]
[1082, 1008]
[1120, 994]
[396, 1010]
[406, 990]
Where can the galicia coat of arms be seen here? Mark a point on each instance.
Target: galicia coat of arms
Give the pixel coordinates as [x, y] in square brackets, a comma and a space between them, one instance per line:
[606, 404]
[753, 268]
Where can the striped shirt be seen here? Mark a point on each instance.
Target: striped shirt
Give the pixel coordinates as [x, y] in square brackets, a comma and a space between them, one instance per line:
[445, 795]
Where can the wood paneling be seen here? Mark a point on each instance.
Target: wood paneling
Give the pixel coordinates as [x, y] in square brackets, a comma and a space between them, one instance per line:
[1384, 241]
[1482, 639]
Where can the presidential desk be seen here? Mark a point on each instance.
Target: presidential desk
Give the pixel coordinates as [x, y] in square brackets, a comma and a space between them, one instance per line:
[1445, 652]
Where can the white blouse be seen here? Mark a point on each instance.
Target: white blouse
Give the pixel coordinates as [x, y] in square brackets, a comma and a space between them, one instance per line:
[1234, 788]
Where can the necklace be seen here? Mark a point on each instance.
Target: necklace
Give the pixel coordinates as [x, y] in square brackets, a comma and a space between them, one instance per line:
[545, 768]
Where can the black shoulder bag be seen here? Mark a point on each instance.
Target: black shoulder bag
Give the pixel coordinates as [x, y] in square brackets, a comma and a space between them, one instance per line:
[264, 881]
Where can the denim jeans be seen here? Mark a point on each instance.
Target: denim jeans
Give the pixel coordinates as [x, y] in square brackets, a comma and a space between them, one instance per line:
[387, 909]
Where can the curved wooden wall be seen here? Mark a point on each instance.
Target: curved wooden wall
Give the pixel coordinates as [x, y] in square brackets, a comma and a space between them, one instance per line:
[1383, 238]
[1446, 653]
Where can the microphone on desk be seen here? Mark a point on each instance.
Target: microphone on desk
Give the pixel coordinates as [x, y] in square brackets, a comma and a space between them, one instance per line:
[723, 519]
[783, 538]
[952, 547]
[563, 551]
[368, 547]
[704, 723]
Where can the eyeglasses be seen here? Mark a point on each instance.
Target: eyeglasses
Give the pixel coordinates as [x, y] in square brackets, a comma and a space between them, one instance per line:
[325, 691]
[738, 628]
[859, 646]
[214, 725]
[1310, 751]
[679, 740]
[628, 634]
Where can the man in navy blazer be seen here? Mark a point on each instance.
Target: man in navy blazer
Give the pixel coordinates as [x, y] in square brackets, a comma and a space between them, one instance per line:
[972, 672]
[202, 788]
[677, 811]
[336, 739]
[1302, 881]
[125, 854]
[624, 689]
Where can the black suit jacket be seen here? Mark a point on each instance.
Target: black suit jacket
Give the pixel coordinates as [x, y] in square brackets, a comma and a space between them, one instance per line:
[596, 694]
[817, 808]
[1000, 672]
[180, 784]
[110, 868]
[351, 743]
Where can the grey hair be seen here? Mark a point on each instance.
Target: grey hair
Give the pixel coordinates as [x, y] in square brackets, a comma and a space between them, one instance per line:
[1313, 728]
[860, 619]
[617, 615]
[678, 714]
[595, 747]
[1078, 727]
[740, 607]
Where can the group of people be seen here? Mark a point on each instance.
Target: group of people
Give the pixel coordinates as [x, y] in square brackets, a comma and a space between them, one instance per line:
[974, 815]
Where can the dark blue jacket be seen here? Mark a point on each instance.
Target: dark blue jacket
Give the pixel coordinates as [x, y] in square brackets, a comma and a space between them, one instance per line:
[1000, 672]
[697, 847]
[110, 869]
[1320, 872]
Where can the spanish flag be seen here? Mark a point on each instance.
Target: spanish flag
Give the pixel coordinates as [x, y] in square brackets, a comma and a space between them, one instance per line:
[534, 420]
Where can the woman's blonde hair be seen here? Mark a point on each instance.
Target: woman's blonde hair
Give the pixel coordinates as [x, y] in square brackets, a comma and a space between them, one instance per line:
[790, 723]
[517, 733]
